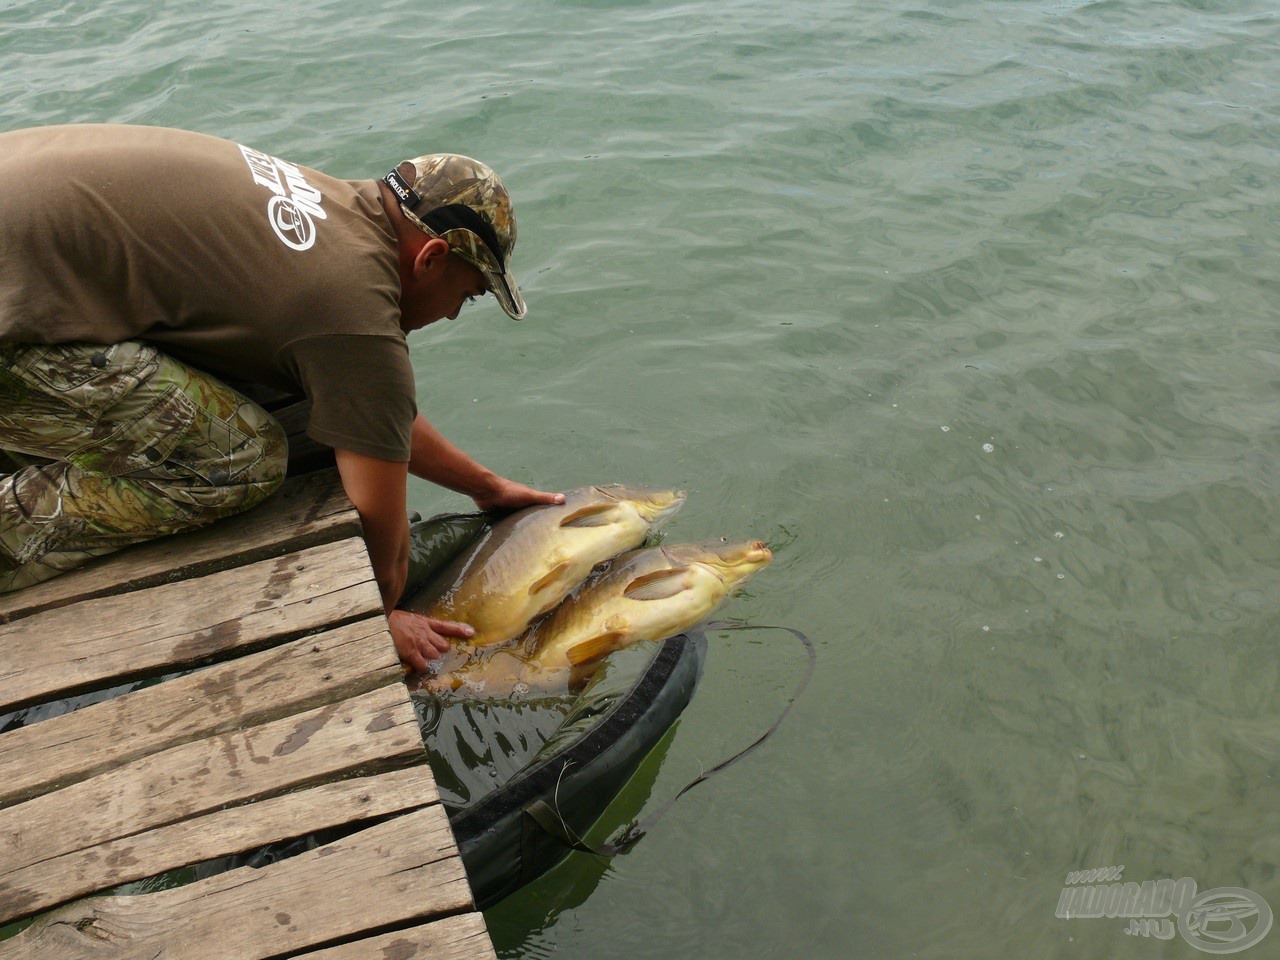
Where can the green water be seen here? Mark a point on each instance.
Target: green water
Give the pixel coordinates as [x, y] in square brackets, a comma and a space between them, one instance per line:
[968, 308]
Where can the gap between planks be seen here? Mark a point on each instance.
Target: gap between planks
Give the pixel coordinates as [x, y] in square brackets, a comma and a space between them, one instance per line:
[217, 834]
[304, 673]
[377, 729]
[405, 870]
[174, 626]
[462, 937]
[306, 511]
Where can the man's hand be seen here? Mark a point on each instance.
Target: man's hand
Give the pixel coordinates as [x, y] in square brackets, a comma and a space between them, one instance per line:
[509, 495]
[419, 639]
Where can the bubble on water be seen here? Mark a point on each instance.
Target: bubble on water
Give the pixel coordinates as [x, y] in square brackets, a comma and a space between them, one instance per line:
[1062, 576]
[1039, 560]
[988, 448]
[946, 429]
[985, 628]
[977, 516]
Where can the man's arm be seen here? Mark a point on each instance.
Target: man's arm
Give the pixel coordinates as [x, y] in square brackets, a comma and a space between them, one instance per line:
[377, 490]
[436, 459]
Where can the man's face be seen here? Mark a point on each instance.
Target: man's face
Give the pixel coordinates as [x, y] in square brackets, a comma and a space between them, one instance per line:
[439, 290]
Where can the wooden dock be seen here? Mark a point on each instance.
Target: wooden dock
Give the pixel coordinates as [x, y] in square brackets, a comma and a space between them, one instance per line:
[273, 708]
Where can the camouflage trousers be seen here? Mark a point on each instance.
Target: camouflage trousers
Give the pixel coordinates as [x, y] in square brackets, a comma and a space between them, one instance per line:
[104, 446]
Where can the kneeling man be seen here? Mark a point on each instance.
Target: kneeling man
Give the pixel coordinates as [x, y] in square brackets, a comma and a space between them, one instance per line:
[142, 268]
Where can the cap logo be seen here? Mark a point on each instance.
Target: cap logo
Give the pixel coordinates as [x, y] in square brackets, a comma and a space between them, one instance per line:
[400, 188]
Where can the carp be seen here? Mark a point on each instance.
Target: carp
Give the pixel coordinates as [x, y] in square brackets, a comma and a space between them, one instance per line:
[646, 594]
[528, 562]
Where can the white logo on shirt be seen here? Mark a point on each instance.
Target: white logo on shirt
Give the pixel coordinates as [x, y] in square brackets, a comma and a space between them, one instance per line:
[295, 206]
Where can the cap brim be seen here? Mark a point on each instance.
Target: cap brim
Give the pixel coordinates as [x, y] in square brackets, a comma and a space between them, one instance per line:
[504, 289]
[501, 283]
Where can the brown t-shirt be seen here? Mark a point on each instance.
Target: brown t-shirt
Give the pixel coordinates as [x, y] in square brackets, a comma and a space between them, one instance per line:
[231, 260]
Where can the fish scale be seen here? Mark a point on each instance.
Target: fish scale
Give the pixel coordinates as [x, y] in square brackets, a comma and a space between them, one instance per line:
[645, 594]
[532, 559]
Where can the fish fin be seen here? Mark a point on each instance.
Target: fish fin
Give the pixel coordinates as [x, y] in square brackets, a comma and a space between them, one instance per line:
[592, 515]
[551, 576]
[658, 585]
[595, 648]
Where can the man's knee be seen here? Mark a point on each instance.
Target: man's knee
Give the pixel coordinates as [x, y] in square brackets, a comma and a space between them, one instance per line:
[131, 411]
[103, 454]
[228, 456]
[269, 469]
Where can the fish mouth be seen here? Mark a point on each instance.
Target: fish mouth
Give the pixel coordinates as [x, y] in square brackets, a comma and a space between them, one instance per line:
[660, 509]
[751, 554]
[654, 504]
[734, 558]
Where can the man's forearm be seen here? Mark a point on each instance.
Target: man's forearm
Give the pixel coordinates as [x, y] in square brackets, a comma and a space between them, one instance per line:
[436, 459]
[377, 490]
[389, 556]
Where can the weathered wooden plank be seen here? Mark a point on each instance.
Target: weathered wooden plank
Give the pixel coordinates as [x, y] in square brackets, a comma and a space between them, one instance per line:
[184, 624]
[307, 510]
[374, 731]
[305, 673]
[404, 870]
[53, 882]
[293, 417]
[463, 937]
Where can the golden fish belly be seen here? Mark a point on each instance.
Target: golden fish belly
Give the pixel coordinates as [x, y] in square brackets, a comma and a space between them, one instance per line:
[499, 604]
[588, 628]
[531, 561]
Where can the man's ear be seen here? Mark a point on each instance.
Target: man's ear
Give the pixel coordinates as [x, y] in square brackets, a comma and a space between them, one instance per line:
[430, 254]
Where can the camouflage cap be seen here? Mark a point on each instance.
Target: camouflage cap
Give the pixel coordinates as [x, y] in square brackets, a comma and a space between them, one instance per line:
[464, 203]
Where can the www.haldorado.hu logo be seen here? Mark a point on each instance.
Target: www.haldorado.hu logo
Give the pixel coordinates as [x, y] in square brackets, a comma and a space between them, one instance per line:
[1221, 920]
